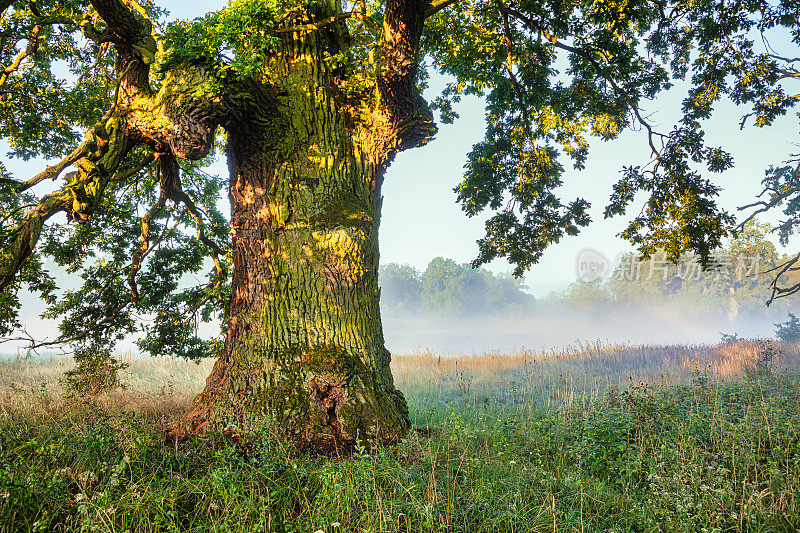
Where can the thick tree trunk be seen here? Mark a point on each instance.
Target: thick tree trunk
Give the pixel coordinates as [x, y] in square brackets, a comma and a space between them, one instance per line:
[305, 348]
[309, 138]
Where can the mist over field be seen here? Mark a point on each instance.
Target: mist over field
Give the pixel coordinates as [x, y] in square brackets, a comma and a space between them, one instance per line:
[452, 308]
[548, 327]
[556, 329]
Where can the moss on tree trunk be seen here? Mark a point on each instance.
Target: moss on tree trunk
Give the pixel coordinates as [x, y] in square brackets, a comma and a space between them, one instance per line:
[305, 346]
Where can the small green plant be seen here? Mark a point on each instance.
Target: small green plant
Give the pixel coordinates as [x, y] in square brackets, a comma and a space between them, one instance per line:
[25, 357]
[96, 371]
[763, 365]
[789, 331]
[727, 338]
[700, 378]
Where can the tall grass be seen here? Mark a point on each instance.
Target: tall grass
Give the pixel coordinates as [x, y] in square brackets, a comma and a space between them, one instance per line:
[594, 438]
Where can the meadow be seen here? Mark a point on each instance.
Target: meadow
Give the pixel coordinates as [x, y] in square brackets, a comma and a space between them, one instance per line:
[594, 438]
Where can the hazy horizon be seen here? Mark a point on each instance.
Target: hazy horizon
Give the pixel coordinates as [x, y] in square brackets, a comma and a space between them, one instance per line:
[546, 327]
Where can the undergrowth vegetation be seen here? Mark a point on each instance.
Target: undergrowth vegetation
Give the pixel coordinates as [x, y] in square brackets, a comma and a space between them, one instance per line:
[593, 439]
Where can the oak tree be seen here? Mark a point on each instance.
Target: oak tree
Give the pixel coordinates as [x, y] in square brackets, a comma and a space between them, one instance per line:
[311, 100]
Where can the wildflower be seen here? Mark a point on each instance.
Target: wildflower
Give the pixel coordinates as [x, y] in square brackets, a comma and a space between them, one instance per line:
[335, 524]
[87, 477]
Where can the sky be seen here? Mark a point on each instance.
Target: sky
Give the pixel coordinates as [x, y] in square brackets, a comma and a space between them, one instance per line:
[421, 219]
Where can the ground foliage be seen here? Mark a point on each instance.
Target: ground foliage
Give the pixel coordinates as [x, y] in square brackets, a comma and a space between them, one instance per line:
[707, 454]
[788, 331]
[96, 371]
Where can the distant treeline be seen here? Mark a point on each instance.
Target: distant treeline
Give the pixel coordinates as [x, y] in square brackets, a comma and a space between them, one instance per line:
[736, 285]
[450, 289]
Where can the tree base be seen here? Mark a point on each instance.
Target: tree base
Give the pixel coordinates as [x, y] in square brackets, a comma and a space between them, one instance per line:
[324, 412]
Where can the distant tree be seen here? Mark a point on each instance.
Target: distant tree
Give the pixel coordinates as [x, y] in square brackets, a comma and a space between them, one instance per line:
[789, 331]
[401, 288]
[751, 257]
[736, 280]
[588, 295]
[505, 294]
[751, 241]
[452, 289]
[448, 288]
[637, 281]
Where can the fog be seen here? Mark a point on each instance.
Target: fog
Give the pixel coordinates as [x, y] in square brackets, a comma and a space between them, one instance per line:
[557, 329]
[546, 326]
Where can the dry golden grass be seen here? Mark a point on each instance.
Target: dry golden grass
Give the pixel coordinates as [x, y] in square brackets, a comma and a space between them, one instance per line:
[165, 388]
[726, 360]
[584, 373]
[160, 388]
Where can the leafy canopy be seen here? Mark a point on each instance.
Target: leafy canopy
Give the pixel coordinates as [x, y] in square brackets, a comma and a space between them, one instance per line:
[553, 74]
[556, 73]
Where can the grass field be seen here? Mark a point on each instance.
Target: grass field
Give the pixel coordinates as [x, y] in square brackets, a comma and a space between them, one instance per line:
[596, 438]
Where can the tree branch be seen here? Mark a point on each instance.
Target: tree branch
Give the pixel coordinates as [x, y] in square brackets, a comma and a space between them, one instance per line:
[438, 5]
[172, 121]
[586, 54]
[108, 146]
[171, 185]
[397, 60]
[776, 196]
[33, 46]
[782, 292]
[360, 15]
[51, 172]
[144, 246]
[132, 36]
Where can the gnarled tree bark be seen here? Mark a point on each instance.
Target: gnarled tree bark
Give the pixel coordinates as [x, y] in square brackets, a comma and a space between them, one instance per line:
[305, 344]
